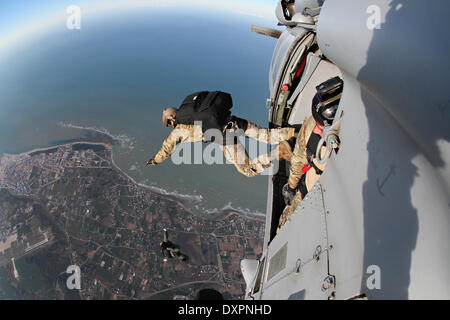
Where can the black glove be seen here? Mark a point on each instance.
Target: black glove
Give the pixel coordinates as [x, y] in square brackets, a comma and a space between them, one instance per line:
[151, 162]
[288, 194]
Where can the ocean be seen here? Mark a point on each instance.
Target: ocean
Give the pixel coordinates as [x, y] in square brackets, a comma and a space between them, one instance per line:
[115, 75]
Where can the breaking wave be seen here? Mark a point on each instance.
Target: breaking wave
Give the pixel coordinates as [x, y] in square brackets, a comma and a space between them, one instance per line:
[229, 207]
[125, 142]
[190, 197]
[199, 198]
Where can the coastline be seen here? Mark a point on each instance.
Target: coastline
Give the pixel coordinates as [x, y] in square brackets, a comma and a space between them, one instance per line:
[56, 146]
[222, 213]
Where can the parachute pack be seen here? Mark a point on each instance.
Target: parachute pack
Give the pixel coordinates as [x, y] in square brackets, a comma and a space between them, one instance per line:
[211, 108]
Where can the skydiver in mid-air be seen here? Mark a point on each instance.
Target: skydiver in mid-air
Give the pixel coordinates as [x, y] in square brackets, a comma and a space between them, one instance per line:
[170, 250]
[212, 111]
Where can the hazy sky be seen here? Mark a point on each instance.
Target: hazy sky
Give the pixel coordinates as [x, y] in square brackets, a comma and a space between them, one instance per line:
[19, 18]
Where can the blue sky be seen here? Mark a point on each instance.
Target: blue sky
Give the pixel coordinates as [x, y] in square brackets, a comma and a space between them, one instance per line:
[18, 14]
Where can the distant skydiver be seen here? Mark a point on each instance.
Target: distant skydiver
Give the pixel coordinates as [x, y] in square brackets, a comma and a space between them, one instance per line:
[212, 110]
[305, 170]
[170, 250]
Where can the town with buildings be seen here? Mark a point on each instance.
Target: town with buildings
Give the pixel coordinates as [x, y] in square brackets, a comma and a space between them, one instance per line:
[71, 205]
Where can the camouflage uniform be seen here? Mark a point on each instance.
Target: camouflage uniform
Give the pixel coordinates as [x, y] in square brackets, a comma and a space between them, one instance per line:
[234, 153]
[181, 133]
[300, 160]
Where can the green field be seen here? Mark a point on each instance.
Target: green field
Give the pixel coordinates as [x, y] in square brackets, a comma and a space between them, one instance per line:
[30, 275]
[6, 290]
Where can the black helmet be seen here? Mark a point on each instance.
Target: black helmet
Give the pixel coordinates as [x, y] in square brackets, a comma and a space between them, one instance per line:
[326, 100]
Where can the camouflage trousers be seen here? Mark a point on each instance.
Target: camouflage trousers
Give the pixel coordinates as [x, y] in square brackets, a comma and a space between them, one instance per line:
[289, 210]
[237, 155]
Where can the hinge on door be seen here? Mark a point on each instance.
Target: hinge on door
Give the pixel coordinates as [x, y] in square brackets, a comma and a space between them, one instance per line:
[298, 266]
[317, 252]
[328, 283]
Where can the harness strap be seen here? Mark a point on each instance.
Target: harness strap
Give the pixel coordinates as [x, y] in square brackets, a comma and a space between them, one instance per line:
[311, 148]
[312, 165]
[302, 186]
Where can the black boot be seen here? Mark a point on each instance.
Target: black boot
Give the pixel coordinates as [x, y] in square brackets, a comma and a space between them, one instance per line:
[239, 123]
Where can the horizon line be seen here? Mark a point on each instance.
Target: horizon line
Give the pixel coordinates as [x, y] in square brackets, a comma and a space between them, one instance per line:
[94, 8]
